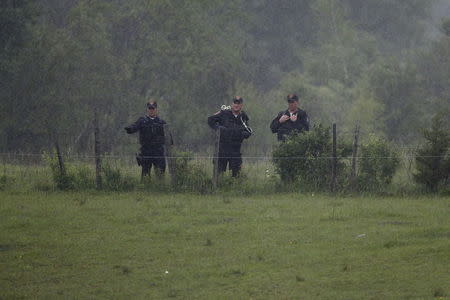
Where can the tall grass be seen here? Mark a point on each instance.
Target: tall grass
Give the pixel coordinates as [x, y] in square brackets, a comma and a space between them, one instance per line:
[258, 176]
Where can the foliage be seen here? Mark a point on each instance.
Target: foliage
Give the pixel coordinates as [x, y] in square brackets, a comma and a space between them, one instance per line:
[306, 159]
[377, 164]
[189, 176]
[433, 158]
[81, 177]
[446, 27]
[62, 178]
[62, 60]
[5, 182]
[114, 180]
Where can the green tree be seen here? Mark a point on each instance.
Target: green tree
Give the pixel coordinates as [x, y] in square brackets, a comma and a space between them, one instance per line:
[433, 158]
[377, 165]
[398, 24]
[398, 88]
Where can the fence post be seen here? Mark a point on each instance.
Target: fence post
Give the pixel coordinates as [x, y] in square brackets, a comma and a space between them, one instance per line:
[98, 160]
[62, 169]
[4, 164]
[168, 142]
[215, 179]
[354, 156]
[334, 161]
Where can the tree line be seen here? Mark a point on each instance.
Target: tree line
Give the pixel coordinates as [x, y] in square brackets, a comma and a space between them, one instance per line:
[68, 64]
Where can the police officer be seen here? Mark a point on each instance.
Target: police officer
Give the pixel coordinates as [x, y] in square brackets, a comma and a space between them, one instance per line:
[151, 138]
[233, 126]
[291, 120]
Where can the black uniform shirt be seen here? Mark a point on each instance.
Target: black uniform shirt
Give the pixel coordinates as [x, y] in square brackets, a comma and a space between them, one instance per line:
[286, 128]
[151, 131]
[232, 127]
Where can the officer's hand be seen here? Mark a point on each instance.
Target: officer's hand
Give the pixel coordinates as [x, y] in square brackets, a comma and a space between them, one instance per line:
[128, 129]
[284, 118]
[246, 134]
[294, 118]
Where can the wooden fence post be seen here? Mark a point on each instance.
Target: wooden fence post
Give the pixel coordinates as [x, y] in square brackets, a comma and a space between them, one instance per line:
[62, 169]
[98, 160]
[168, 142]
[334, 161]
[215, 178]
[354, 156]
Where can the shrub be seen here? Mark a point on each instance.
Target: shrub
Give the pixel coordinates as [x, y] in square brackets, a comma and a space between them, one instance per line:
[84, 177]
[115, 181]
[433, 158]
[377, 165]
[188, 176]
[305, 158]
[73, 178]
[63, 180]
[5, 182]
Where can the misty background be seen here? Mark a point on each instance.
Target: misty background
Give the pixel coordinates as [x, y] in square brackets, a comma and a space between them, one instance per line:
[384, 64]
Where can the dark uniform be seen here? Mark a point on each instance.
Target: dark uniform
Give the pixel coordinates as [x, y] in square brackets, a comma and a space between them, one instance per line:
[151, 138]
[284, 129]
[232, 133]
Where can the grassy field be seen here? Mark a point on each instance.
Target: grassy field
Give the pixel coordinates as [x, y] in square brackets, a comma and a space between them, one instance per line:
[288, 246]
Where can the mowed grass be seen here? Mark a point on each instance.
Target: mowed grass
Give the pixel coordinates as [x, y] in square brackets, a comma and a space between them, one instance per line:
[287, 246]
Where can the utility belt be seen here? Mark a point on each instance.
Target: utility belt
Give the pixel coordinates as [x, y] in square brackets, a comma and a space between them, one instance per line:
[230, 147]
[142, 158]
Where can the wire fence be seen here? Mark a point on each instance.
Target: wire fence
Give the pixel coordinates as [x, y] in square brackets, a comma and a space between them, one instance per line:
[195, 168]
[258, 173]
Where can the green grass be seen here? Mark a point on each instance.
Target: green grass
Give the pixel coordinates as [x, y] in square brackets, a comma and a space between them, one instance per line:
[288, 246]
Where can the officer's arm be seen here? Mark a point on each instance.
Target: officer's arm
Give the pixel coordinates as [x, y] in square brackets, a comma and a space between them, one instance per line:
[246, 134]
[214, 121]
[305, 121]
[134, 127]
[275, 125]
[159, 127]
[169, 138]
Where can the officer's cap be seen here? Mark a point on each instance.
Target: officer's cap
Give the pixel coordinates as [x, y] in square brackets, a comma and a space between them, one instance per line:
[238, 100]
[152, 105]
[292, 98]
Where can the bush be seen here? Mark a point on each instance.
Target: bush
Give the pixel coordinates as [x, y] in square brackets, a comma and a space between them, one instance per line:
[446, 27]
[84, 177]
[187, 176]
[81, 177]
[5, 182]
[63, 180]
[377, 165]
[305, 158]
[433, 159]
[114, 180]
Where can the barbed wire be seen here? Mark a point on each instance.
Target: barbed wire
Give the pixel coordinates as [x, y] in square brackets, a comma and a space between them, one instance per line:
[9, 155]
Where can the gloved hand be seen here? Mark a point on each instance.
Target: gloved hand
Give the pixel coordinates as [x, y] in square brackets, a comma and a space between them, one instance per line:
[284, 118]
[246, 134]
[128, 129]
